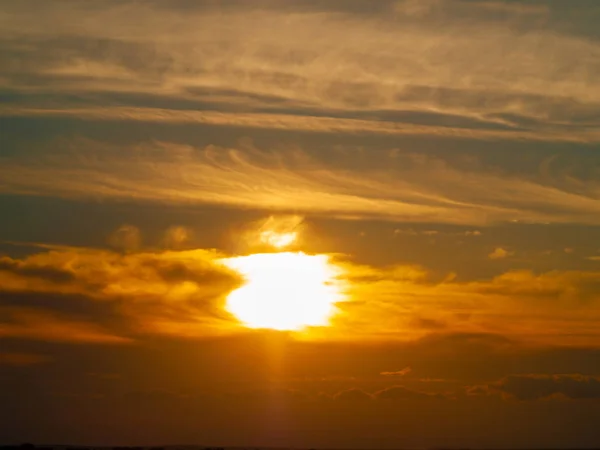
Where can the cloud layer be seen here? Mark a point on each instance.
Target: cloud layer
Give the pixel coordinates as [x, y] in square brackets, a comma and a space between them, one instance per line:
[458, 76]
[88, 295]
[543, 386]
[389, 184]
[93, 295]
[467, 61]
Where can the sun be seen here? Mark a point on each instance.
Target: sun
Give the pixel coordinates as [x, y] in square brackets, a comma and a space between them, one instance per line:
[284, 291]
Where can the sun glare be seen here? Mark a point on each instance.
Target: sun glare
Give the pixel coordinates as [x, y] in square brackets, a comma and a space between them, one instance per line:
[284, 291]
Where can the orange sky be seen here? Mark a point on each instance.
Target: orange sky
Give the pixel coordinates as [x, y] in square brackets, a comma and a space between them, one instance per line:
[336, 223]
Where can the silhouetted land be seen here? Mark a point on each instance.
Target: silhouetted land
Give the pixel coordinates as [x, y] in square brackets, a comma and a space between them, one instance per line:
[29, 446]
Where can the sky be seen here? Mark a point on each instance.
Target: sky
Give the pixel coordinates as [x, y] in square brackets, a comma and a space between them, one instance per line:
[300, 223]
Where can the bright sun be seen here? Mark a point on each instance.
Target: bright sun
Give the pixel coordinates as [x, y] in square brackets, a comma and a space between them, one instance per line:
[284, 291]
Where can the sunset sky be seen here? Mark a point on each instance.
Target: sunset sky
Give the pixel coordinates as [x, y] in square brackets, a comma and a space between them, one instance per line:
[300, 223]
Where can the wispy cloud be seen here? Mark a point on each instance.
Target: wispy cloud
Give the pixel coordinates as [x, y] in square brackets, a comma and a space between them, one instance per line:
[459, 72]
[442, 62]
[398, 185]
[315, 123]
[400, 373]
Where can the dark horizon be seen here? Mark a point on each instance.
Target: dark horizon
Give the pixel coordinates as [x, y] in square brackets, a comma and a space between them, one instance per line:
[204, 447]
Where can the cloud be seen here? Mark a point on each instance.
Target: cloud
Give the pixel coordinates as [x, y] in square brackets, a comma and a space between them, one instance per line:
[538, 309]
[23, 323]
[499, 253]
[126, 238]
[35, 271]
[430, 324]
[304, 56]
[411, 232]
[517, 8]
[402, 393]
[352, 395]
[182, 292]
[542, 386]
[276, 231]
[390, 393]
[401, 373]
[397, 185]
[432, 233]
[478, 390]
[447, 344]
[177, 236]
[105, 274]
[169, 292]
[287, 122]
[467, 76]
[565, 287]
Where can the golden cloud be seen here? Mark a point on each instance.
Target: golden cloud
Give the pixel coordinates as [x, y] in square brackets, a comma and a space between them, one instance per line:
[499, 253]
[182, 293]
[166, 292]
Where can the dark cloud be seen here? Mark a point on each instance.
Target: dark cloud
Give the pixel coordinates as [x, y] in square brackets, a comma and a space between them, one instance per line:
[68, 305]
[536, 387]
[574, 285]
[478, 390]
[199, 271]
[388, 393]
[471, 343]
[46, 325]
[430, 324]
[40, 271]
